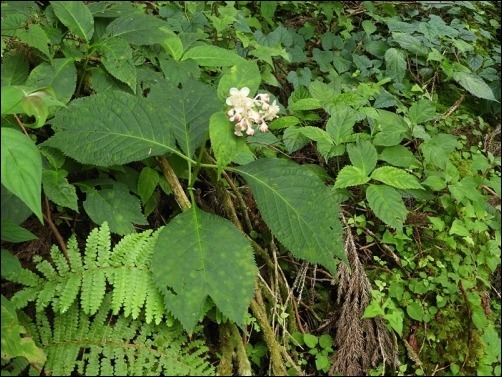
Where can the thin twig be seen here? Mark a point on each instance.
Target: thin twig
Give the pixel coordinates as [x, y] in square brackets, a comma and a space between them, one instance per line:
[55, 230]
[21, 124]
[172, 179]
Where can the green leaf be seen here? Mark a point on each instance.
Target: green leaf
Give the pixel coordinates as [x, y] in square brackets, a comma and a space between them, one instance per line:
[22, 169]
[12, 99]
[15, 69]
[75, 16]
[35, 37]
[116, 56]
[393, 129]
[474, 85]
[225, 144]
[373, 309]
[245, 73]
[13, 209]
[458, 228]
[174, 46]
[422, 111]
[188, 111]
[387, 205]
[398, 155]
[140, 29]
[395, 319]
[11, 232]
[147, 181]
[283, 122]
[395, 64]
[212, 56]
[396, 177]
[363, 155]
[115, 206]
[298, 208]
[410, 43]
[341, 124]
[369, 27]
[415, 311]
[437, 150]
[350, 176]
[61, 76]
[58, 189]
[305, 104]
[129, 128]
[13, 343]
[310, 340]
[199, 255]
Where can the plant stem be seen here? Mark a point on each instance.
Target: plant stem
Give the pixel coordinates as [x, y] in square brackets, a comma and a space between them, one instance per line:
[172, 179]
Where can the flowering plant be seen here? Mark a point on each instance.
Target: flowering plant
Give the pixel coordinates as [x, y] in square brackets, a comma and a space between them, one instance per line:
[246, 111]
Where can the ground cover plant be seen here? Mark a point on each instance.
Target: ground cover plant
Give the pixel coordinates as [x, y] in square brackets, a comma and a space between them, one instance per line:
[250, 188]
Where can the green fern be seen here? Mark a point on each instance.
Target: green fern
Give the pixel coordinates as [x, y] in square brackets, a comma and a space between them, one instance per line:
[126, 269]
[108, 345]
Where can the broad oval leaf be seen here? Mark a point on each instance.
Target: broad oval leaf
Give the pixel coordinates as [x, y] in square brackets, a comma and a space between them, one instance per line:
[363, 155]
[341, 124]
[395, 64]
[351, 176]
[387, 205]
[243, 74]
[396, 177]
[225, 144]
[398, 155]
[422, 111]
[299, 209]
[474, 85]
[75, 16]
[140, 29]
[22, 169]
[199, 255]
[58, 189]
[393, 129]
[111, 128]
[116, 56]
[212, 56]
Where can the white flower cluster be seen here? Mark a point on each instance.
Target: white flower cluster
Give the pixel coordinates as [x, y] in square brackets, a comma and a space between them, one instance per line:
[246, 112]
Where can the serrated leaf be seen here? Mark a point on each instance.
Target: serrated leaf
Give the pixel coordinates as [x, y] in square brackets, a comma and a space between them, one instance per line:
[363, 155]
[350, 176]
[212, 56]
[243, 74]
[298, 208]
[15, 69]
[174, 46]
[58, 189]
[393, 129]
[305, 104]
[147, 181]
[11, 232]
[22, 169]
[199, 255]
[111, 128]
[410, 43]
[437, 150]
[188, 111]
[474, 85]
[395, 64]
[61, 76]
[75, 16]
[117, 207]
[140, 29]
[35, 37]
[387, 205]
[225, 144]
[116, 56]
[398, 155]
[341, 124]
[422, 111]
[283, 122]
[396, 177]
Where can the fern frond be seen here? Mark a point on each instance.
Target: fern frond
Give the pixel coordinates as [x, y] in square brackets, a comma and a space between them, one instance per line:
[126, 268]
[117, 346]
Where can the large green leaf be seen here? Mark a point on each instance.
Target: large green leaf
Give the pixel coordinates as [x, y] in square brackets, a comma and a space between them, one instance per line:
[393, 129]
[351, 176]
[75, 16]
[140, 29]
[298, 208]
[188, 111]
[22, 169]
[111, 128]
[212, 56]
[422, 111]
[13, 209]
[11, 232]
[36, 37]
[395, 64]
[341, 124]
[363, 155]
[398, 155]
[61, 75]
[199, 255]
[243, 74]
[396, 177]
[115, 206]
[474, 85]
[437, 150]
[226, 145]
[116, 56]
[387, 205]
[58, 189]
